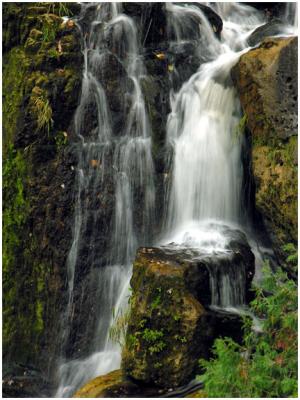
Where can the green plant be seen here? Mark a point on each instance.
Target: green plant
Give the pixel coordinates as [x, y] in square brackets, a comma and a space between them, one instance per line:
[63, 9]
[292, 254]
[61, 139]
[49, 32]
[241, 126]
[157, 300]
[41, 108]
[154, 338]
[181, 339]
[176, 317]
[265, 365]
[53, 53]
[117, 331]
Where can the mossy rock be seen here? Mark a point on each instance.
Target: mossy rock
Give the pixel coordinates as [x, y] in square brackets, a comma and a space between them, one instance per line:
[37, 211]
[266, 79]
[114, 385]
[169, 329]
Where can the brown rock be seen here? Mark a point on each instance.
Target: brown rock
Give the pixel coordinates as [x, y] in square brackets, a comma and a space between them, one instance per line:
[266, 79]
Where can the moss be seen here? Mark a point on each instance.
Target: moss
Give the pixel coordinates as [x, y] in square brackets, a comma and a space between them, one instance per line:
[15, 206]
[14, 72]
[275, 170]
[23, 278]
[15, 211]
[154, 336]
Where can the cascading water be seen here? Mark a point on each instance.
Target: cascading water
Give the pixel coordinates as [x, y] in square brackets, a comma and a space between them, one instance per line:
[133, 179]
[205, 145]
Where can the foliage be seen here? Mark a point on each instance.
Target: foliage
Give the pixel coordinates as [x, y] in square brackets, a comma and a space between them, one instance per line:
[61, 139]
[292, 254]
[157, 300]
[240, 128]
[59, 8]
[154, 338]
[49, 32]
[117, 331]
[41, 108]
[265, 365]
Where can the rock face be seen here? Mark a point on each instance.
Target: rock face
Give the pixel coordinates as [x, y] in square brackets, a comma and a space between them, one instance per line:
[170, 325]
[41, 83]
[266, 79]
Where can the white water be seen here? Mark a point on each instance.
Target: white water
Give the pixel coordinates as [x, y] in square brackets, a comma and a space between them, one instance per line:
[205, 144]
[133, 175]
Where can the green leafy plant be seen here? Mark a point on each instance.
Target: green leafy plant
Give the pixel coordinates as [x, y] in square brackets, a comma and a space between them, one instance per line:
[265, 365]
[292, 254]
[61, 139]
[154, 337]
[181, 339]
[157, 300]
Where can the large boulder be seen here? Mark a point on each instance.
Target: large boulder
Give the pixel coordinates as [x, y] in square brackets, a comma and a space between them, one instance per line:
[171, 324]
[266, 79]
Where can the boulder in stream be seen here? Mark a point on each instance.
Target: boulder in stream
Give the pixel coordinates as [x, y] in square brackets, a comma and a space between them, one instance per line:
[171, 324]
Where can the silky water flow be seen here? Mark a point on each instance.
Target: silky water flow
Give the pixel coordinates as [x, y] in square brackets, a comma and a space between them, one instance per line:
[133, 172]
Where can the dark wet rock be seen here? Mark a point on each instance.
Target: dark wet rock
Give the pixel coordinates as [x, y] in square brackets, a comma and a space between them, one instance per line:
[271, 10]
[151, 18]
[171, 324]
[266, 79]
[24, 381]
[272, 28]
[40, 74]
[214, 19]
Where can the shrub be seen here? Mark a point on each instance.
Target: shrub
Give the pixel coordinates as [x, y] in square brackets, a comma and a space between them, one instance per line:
[265, 365]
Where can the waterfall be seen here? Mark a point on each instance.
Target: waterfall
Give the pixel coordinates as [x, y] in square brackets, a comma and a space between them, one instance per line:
[204, 147]
[100, 151]
[203, 157]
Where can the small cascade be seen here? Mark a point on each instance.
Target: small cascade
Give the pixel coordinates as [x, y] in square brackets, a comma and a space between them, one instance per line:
[223, 292]
[125, 158]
